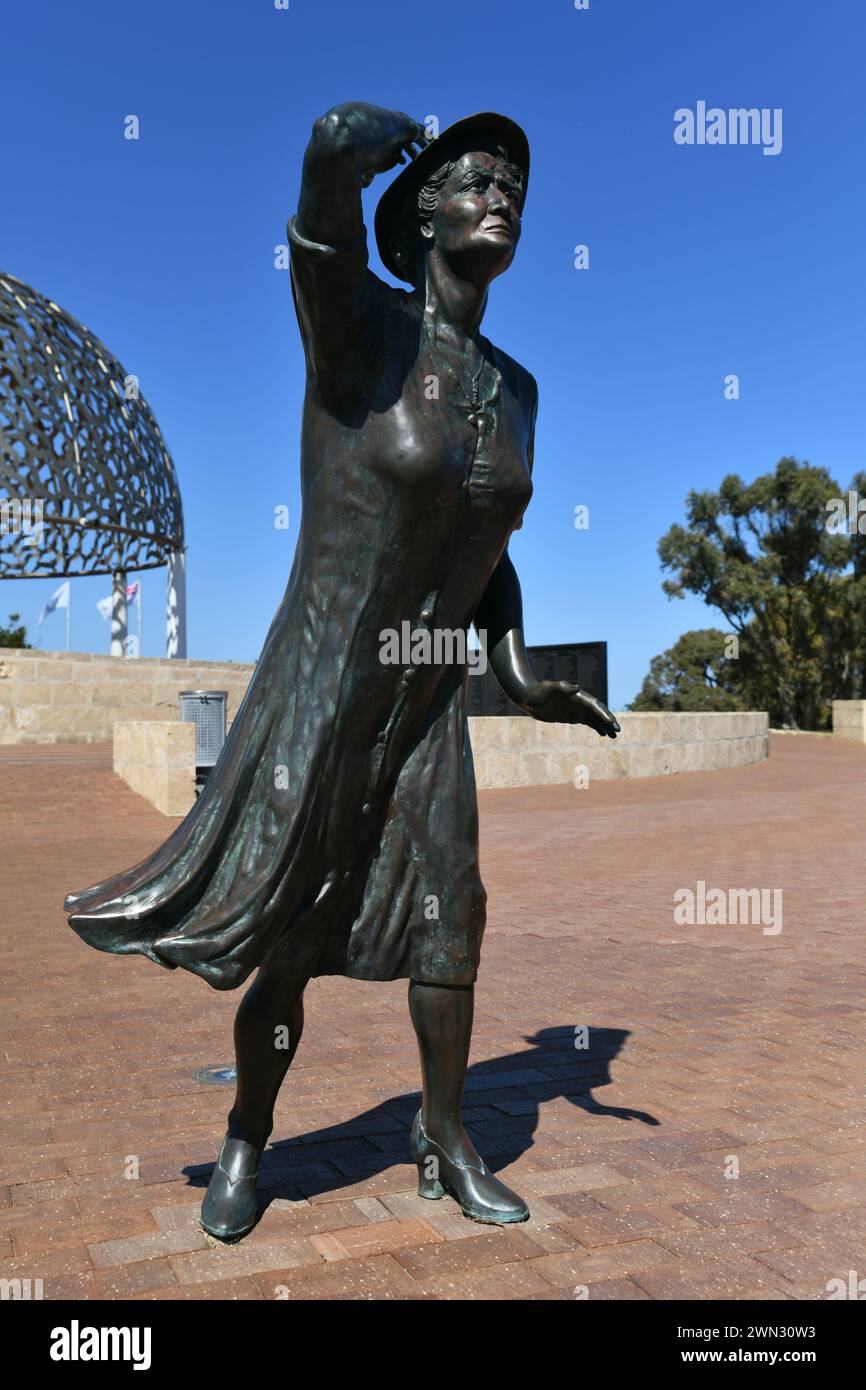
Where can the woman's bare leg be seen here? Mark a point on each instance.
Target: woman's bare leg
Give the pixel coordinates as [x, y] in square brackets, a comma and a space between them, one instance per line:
[442, 1017]
[446, 1157]
[268, 1028]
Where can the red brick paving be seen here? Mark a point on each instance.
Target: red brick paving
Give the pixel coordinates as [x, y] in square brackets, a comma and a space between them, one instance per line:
[706, 1043]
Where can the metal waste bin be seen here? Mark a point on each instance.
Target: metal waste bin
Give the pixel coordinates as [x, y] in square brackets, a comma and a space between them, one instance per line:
[206, 709]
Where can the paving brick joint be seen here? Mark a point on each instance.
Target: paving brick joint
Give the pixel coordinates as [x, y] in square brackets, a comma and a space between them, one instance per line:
[682, 1105]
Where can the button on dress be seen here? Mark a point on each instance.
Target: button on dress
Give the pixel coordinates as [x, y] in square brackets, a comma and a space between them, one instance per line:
[338, 831]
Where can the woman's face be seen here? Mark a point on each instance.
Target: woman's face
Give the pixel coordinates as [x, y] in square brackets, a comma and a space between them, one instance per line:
[476, 223]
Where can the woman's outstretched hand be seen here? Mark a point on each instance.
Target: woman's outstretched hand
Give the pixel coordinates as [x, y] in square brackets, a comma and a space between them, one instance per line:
[561, 702]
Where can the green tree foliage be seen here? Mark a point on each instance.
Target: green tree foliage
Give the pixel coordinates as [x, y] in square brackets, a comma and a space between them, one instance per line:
[694, 674]
[13, 636]
[790, 586]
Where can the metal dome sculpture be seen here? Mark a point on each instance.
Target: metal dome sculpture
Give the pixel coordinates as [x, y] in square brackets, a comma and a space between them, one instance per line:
[80, 445]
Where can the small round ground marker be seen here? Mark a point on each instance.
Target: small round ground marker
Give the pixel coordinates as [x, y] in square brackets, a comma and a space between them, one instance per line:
[217, 1076]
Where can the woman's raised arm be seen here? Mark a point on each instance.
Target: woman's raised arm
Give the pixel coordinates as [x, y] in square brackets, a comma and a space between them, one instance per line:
[350, 144]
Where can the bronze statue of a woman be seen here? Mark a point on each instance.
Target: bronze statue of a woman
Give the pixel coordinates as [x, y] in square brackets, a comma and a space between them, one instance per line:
[337, 834]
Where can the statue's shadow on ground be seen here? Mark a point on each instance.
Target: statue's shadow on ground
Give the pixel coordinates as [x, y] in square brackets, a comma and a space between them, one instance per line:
[501, 1107]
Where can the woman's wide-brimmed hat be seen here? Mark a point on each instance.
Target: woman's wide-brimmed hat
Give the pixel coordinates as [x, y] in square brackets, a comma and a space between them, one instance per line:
[460, 136]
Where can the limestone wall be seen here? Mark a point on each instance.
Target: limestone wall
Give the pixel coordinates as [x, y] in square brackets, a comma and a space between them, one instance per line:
[52, 697]
[157, 759]
[517, 752]
[849, 720]
[55, 697]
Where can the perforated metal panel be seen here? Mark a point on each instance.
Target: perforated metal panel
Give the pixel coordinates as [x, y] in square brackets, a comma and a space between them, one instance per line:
[206, 709]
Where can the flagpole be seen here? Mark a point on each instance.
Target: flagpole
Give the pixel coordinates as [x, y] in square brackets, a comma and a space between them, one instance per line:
[138, 600]
[69, 618]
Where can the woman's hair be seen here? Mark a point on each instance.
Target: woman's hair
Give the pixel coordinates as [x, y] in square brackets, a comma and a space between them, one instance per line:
[406, 241]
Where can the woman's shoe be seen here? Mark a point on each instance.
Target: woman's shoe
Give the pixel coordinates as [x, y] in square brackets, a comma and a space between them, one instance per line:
[481, 1196]
[229, 1209]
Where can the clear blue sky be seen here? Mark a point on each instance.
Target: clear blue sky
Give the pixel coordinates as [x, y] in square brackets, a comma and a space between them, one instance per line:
[704, 261]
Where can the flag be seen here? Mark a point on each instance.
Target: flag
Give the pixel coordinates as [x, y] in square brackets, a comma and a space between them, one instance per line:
[105, 605]
[59, 599]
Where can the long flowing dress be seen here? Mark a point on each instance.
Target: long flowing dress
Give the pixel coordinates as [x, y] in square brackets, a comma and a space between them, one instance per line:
[339, 829]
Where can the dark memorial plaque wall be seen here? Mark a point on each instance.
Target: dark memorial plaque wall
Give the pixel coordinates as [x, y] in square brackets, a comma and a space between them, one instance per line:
[585, 663]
